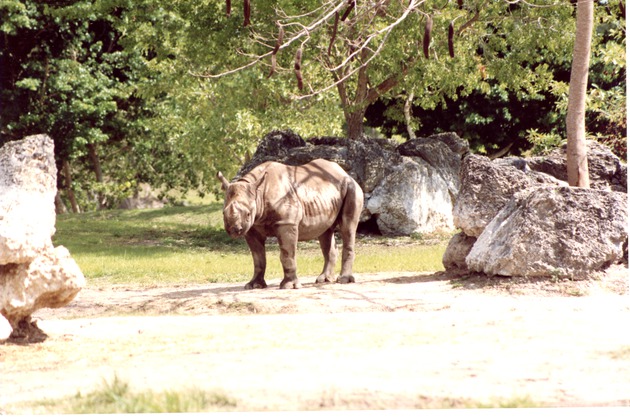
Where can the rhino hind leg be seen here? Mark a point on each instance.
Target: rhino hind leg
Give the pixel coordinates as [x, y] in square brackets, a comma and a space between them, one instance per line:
[350, 214]
[329, 250]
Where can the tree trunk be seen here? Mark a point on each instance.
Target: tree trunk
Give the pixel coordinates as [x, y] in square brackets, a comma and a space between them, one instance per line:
[96, 162]
[577, 163]
[407, 112]
[98, 172]
[354, 120]
[67, 173]
[60, 207]
[354, 109]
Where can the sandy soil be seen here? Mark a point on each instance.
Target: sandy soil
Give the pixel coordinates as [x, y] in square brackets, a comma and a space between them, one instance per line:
[391, 340]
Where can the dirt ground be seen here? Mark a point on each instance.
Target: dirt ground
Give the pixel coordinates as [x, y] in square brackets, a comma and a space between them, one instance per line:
[389, 341]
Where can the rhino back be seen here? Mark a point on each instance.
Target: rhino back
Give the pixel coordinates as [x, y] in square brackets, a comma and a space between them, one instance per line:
[310, 195]
[320, 186]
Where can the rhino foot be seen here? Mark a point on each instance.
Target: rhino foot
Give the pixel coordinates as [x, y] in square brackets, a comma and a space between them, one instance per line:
[324, 279]
[286, 284]
[256, 285]
[346, 279]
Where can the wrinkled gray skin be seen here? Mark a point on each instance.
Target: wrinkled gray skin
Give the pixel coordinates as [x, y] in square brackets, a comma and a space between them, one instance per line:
[294, 203]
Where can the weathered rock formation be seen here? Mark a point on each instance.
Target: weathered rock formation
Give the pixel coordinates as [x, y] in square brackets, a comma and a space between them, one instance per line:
[27, 196]
[457, 250]
[521, 221]
[553, 231]
[408, 188]
[33, 273]
[606, 171]
[486, 186]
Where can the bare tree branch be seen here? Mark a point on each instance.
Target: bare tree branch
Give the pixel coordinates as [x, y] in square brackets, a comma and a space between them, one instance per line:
[468, 24]
[300, 34]
[329, 10]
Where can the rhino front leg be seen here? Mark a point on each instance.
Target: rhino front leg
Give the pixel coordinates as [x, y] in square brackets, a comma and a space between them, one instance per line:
[327, 243]
[256, 243]
[287, 239]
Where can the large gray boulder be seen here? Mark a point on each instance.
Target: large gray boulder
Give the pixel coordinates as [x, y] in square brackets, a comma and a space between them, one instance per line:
[412, 198]
[51, 280]
[443, 152]
[33, 273]
[606, 171]
[502, 233]
[417, 194]
[276, 146]
[28, 184]
[553, 231]
[408, 188]
[486, 186]
[367, 160]
[457, 250]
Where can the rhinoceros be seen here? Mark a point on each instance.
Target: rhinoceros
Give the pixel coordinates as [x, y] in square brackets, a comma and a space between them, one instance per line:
[294, 203]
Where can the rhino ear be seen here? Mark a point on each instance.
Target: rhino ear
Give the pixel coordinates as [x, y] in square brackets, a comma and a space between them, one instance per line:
[224, 182]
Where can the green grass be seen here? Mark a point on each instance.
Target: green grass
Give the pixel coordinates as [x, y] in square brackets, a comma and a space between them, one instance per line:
[116, 397]
[463, 403]
[178, 245]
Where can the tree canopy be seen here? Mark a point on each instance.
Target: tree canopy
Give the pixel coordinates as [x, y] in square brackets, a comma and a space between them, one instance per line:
[169, 93]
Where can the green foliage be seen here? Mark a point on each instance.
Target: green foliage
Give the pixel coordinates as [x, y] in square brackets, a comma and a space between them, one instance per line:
[519, 85]
[543, 143]
[606, 118]
[68, 74]
[123, 84]
[65, 75]
[117, 397]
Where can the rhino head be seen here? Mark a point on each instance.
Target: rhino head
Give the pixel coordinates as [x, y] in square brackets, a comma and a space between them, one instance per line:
[239, 208]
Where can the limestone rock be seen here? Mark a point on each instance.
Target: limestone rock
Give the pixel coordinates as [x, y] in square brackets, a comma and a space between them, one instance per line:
[33, 274]
[444, 152]
[485, 188]
[372, 160]
[412, 199]
[457, 250]
[51, 280]
[606, 171]
[553, 231]
[5, 328]
[305, 154]
[29, 164]
[28, 184]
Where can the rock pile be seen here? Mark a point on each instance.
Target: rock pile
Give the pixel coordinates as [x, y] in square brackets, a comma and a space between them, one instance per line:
[518, 217]
[33, 273]
[409, 188]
